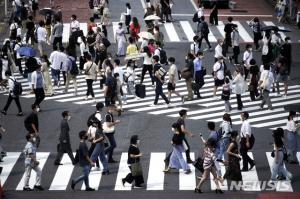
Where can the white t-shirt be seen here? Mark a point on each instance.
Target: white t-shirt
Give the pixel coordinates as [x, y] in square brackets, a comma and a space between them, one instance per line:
[147, 59]
[130, 71]
[218, 51]
[174, 72]
[245, 129]
[218, 70]
[120, 71]
[74, 25]
[291, 126]
[17, 46]
[247, 57]
[41, 34]
[270, 81]
[194, 48]
[157, 52]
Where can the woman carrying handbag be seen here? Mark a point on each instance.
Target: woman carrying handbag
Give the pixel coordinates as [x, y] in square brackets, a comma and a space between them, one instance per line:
[134, 164]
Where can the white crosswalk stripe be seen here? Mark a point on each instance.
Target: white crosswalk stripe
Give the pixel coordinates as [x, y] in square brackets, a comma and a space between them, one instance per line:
[156, 178]
[187, 28]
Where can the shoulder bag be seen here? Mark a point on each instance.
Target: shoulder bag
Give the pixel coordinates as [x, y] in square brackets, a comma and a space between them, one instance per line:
[86, 72]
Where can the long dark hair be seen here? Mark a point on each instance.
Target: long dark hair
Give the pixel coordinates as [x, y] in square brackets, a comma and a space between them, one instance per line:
[147, 50]
[128, 5]
[135, 22]
[45, 58]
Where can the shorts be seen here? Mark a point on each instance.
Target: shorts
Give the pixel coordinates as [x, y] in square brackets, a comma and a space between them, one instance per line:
[171, 87]
[281, 78]
[219, 82]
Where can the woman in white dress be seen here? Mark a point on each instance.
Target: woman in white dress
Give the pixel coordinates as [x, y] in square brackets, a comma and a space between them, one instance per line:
[121, 40]
[45, 70]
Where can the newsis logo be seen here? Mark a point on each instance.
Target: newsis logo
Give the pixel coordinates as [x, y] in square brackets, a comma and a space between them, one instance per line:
[260, 185]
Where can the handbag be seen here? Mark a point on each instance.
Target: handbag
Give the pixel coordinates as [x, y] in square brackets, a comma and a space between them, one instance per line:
[107, 129]
[86, 72]
[136, 169]
[198, 164]
[186, 74]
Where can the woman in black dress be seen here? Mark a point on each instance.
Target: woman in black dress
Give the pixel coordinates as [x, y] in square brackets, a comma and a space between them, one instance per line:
[233, 171]
[134, 155]
[254, 71]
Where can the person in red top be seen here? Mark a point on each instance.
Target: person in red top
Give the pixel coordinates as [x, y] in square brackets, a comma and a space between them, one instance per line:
[134, 28]
[151, 46]
[91, 24]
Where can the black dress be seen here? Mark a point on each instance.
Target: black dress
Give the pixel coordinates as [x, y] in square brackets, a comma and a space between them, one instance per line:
[233, 171]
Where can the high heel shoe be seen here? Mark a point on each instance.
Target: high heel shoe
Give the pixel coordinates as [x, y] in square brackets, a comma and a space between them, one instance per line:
[219, 191]
[198, 190]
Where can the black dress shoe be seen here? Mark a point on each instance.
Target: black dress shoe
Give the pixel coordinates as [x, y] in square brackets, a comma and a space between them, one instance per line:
[123, 182]
[198, 190]
[57, 163]
[27, 189]
[39, 187]
[72, 184]
[219, 191]
[89, 189]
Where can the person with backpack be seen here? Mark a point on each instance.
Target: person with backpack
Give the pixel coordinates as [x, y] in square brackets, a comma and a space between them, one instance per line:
[266, 83]
[226, 90]
[37, 84]
[162, 55]
[64, 145]
[203, 31]
[90, 72]
[246, 142]
[14, 93]
[71, 72]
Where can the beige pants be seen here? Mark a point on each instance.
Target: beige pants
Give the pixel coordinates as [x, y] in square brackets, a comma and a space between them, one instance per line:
[69, 78]
[28, 169]
[189, 88]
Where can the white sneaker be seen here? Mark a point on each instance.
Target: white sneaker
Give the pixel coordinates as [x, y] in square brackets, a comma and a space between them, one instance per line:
[284, 96]
[86, 98]
[153, 104]
[169, 105]
[215, 97]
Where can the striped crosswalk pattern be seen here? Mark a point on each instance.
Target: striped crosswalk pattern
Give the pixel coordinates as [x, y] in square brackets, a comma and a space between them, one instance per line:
[173, 31]
[207, 108]
[61, 176]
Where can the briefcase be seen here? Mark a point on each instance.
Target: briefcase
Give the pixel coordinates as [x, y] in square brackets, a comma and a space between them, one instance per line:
[140, 90]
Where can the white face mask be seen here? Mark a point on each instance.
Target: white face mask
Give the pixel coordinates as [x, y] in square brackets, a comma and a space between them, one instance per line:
[250, 49]
[69, 117]
[138, 142]
[33, 139]
[37, 109]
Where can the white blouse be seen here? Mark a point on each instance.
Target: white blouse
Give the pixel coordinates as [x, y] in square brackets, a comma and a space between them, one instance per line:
[291, 126]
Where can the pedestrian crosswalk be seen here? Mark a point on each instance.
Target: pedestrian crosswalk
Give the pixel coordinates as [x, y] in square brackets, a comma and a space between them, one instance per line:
[155, 179]
[207, 108]
[182, 31]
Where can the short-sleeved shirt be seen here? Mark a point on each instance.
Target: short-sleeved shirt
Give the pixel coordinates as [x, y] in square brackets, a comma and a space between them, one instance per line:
[133, 151]
[111, 85]
[181, 122]
[173, 71]
[245, 129]
[177, 139]
[31, 119]
[219, 70]
[83, 152]
[29, 150]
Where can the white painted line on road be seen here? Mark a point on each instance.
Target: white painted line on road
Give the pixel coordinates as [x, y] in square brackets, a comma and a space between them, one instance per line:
[194, 5]
[42, 158]
[211, 36]
[220, 28]
[221, 15]
[170, 29]
[175, 109]
[8, 164]
[187, 181]
[122, 172]
[83, 27]
[282, 185]
[250, 176]
[156, 175]
[243, 32]
[63, 174]
[188, 30]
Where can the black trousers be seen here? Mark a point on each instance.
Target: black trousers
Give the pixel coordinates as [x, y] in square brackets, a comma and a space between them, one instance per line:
[244, 153]
[253, 90]
[148, 68]
[213, 18]
[187, 152]
[19, 64]
[64, 76]
[30, 35]
[138, 180]
[57, 40]
[205, 37]
[257, 37]
[64, 148]
[39, 96]
[227, 43]
[10, 99]
[159, 92]
[90, 90]
[110, 99]
[239, 101]
[199, 80]
[236, 52]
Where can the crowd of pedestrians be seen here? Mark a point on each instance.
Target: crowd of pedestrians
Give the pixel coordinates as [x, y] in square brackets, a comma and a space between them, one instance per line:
[96, 62]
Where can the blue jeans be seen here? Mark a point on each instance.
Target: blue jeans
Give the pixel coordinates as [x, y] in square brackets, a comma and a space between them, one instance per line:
[223, 147]
[99, 152]
[55, 76]
[176, 159]
[85, 177]
[292, 145]
[110, 150]
[278, 167]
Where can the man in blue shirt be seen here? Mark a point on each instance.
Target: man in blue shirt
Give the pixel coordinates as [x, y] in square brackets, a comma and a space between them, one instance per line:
[198, 73]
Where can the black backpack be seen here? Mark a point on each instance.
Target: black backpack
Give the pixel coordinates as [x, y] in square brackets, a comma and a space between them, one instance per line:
[74, 69]
[195, 17]
[17, 89]
[13, 32]
[91, 119]
[205, 29]
[163, 56]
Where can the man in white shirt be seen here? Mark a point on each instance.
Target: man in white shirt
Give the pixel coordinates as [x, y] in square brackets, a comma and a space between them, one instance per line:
[245, 135]
[219, 49]
[195, 45]
[266, 83]
[74, 25]
[218, 73]
[41, 37]
[246, 59]
[57, 59]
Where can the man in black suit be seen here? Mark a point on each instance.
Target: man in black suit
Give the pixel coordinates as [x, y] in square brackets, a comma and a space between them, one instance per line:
[64, 139]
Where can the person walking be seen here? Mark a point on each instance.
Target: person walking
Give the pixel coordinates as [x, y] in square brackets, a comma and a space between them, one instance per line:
[173, 79]
[64, 145]
[233, 171]
[235, 37]
[56, 64]
[31, 163]
[134, 29]
[134, 156]
[47, 79]
[71, 73]
[109, 130]
[240, 88]
[278, 170]
[292, 128]
[247, 56]
[99, 147]
[159, 81]
[176, 159]
[209, 167]
[57, 33]
[226, 127]
[286, 52]
[189, 70]
[266, 83]
[147, 64]
[2, 152]
[203, 31]
[37, 85]
[213, 17]
[198, 73]
[18, 58]
[218, 74]
[121, 40]
[11, 95]
[219, 50]
[254, 72]
[41, 33]
[195, 45]
[128, 16]
[110, 88]
[90, 71]
[245, 135]
[226, 92]
[281, 76]
[85, 163]
[256, 28]
[130, 77]
[228, 28]
[159, 36]
[30, 26]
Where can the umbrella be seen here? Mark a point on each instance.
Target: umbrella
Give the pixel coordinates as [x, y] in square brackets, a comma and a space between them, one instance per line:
[134, 56]
[152, 17]
[292, 107]
[27, 51]
[146, 35]
[46, 11]
[268, 28]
